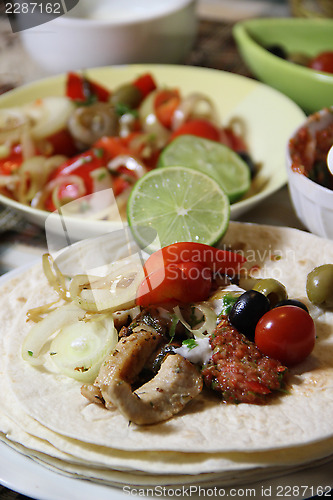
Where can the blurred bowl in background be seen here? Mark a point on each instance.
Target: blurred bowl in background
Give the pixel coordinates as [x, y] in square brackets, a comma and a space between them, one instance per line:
[310, 89]
[104, 32]
[313, 202]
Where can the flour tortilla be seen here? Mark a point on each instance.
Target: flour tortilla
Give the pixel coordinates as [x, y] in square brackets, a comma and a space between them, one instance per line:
[47, 414]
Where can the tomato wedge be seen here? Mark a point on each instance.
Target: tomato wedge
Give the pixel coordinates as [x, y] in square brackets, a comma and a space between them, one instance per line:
[183, 272]
[166, 102]
[185, 282]
[200, 128]
[218, 260]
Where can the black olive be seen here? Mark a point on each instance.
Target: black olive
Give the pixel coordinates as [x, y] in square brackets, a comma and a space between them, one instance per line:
[250, 163]
[247, 311]
[292, 302]
[278, 51]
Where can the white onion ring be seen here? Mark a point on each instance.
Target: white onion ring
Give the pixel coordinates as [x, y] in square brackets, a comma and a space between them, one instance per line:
[129, 162]
[53, 187]
[42, 331]
[206, 327]
[189, 108]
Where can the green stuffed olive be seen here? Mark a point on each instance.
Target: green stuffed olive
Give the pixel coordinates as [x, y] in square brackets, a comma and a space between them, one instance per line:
[272, 289]
[128, 95]
[319, 285]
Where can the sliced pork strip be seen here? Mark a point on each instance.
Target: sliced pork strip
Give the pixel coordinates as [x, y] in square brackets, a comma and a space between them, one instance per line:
[177, 382]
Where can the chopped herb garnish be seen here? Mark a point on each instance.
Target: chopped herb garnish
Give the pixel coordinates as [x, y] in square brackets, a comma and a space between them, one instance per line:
[194, 320]
[92, 99]
[174, 322]
[101, 176]
[122, 109]
[30, 353]
[98, 152]
[227, 302]
[190, 343]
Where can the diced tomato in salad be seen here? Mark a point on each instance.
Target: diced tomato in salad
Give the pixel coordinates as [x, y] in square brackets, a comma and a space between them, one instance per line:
[10, 163]
[80, 88]
[145, 83]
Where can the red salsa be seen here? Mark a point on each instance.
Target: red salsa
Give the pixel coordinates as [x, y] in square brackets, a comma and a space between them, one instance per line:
[238, 370]
[309, 154]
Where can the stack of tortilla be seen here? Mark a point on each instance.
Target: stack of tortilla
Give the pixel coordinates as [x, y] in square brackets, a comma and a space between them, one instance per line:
[43, 415]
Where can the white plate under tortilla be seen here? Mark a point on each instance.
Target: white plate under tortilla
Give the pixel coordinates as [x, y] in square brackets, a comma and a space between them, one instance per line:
[21, 474]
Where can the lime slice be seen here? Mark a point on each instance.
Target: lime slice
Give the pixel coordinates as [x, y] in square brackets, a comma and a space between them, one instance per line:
[177, 204]
[211, 158]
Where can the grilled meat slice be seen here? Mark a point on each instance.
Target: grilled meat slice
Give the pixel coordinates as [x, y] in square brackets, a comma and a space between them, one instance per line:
[127, 360]
[177, 382]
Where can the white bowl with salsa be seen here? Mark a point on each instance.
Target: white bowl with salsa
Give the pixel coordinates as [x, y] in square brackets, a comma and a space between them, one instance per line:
[310, 181]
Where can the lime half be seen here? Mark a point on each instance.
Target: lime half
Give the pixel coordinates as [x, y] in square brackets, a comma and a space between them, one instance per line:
[211, 158]
[177, 204]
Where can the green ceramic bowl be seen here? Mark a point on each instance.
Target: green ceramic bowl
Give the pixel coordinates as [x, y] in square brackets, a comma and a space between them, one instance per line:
[312, 90]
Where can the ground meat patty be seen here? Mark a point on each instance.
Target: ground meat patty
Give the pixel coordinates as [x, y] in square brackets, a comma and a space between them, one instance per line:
[238, 370]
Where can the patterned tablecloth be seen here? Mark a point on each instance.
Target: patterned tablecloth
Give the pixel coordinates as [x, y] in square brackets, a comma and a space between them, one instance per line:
[21, 242]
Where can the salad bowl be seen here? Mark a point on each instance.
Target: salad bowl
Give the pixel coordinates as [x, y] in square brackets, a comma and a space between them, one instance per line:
[310, 89]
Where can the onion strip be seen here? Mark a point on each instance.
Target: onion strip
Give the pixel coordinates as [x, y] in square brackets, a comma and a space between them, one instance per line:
[130, 163]
[206, 327]
[54, 276]
[111, 293]
[41, 332]
[189, 108]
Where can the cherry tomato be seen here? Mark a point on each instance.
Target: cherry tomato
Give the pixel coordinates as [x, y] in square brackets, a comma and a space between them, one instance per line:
[185, 282]
[11, 162]
[166, 102]
[200, 128]
[286, 333]
[323, 62]
[219, 261]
